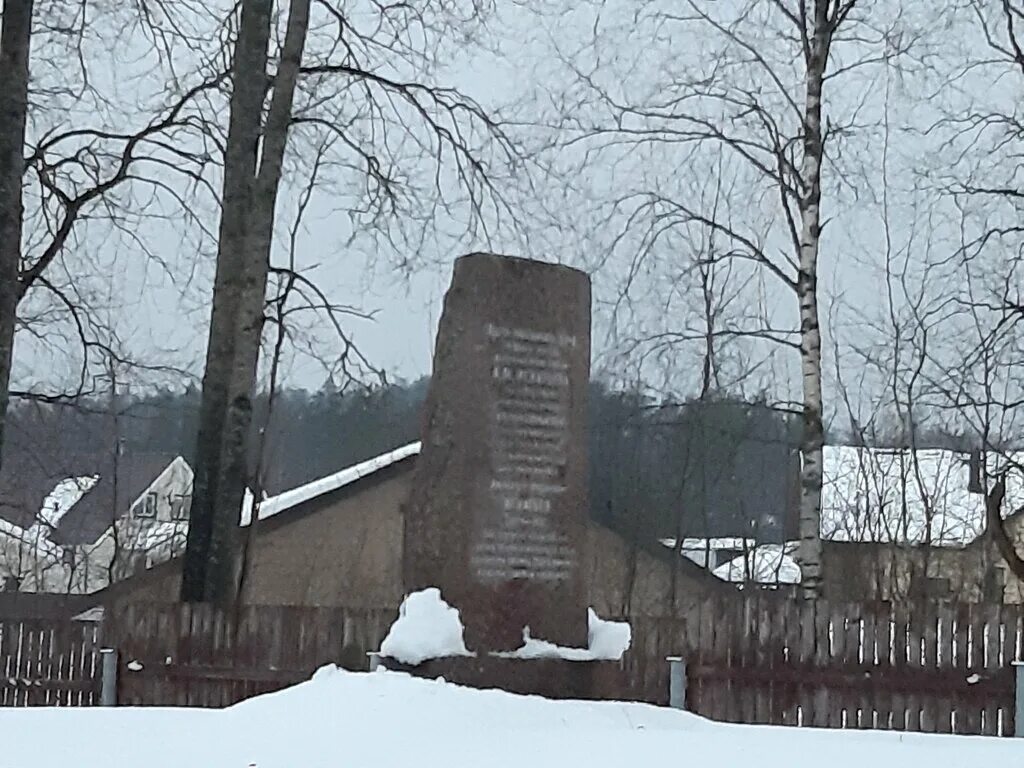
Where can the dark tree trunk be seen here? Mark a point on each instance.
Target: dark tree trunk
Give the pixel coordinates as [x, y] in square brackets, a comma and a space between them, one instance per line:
[224, 410]
[15, 40]
[997, 528]
[252, 174]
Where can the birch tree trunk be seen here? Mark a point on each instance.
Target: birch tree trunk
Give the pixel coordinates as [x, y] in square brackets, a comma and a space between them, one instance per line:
[252, 174]
[813, 434]
[15, 41]
[754, 97]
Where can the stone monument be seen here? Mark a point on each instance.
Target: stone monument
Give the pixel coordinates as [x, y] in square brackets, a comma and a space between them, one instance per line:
[499, 494]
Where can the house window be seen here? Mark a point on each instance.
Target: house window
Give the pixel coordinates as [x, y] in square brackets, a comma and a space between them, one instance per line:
[146, 506]
[181, 503]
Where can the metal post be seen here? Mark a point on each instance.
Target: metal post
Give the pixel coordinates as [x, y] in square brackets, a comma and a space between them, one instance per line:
[375, 662]
[1018, 699]
[108, 671]
[676, 682]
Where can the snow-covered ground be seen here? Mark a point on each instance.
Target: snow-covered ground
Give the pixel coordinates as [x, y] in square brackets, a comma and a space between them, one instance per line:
[389, 720]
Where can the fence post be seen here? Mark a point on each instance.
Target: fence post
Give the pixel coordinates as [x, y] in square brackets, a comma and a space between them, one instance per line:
[676, 682]
[1018, 698]
[108, 677]
[374, 659]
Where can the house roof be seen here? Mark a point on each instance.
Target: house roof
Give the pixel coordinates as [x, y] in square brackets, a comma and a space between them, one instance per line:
[876, 496]
[63, 498]
[315, 495]
[122, 480]
[296, 502]
[79, 504]
[897, 496]
[79, 510]
[907, 497]
[869, 495]
[282, 502]
[765, 564]
[26, 479]
[714, 543]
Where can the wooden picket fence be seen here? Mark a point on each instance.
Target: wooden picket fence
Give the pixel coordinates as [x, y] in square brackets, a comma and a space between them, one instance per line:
[750, 658]
[195, 655]
[763, 659]
[49, 662]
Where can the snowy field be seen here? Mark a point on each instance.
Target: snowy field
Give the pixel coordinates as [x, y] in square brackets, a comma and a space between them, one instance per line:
[388, 720]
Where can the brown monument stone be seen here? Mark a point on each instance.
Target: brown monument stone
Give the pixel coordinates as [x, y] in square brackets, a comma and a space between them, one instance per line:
[499, 495]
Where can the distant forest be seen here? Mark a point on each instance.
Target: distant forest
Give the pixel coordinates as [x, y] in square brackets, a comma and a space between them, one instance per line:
[713, 467]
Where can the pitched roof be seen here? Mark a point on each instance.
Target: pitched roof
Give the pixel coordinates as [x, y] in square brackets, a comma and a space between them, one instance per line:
[296, 500]
[348, 478]
[122, 480]
[292, 498]
[907, 497]
[26, 479]
[765, 564]
[77, 497]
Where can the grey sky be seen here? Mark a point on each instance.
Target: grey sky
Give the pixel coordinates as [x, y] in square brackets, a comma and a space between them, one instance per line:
[881, 198]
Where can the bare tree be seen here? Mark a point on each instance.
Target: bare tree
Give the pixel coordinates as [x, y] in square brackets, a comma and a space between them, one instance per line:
[984, 134]
[709, 304]
[308, 92]
[252, 176]
[755, 88]
[75, 178]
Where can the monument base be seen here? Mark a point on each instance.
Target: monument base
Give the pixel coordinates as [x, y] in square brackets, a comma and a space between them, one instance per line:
[550, 678]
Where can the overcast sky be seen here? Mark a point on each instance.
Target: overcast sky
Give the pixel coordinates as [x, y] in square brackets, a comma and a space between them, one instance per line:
[562, 63]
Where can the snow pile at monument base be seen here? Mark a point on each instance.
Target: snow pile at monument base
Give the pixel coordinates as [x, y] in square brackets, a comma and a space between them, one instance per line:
[428, 628]
[606, 641]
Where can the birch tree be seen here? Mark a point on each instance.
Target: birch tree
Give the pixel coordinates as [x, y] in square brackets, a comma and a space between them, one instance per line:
[758, 82]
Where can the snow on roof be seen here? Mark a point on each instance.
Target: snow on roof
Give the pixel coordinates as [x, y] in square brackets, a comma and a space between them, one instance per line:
[63, 497]
[893, 495]
[767, 564]
[905, 496]
[691, 543]
[56, 505]
[701, 551]
[292, 498]
[162, 534]
[90, 614]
